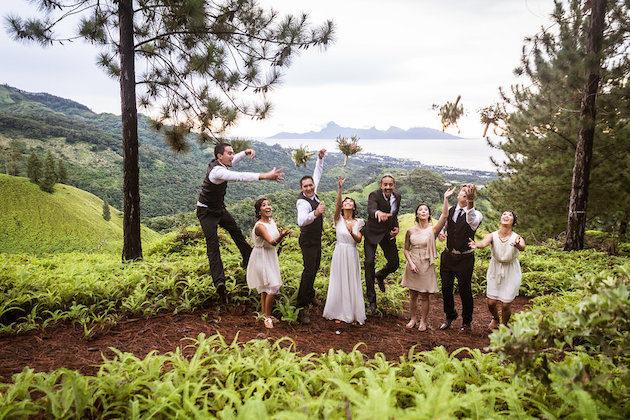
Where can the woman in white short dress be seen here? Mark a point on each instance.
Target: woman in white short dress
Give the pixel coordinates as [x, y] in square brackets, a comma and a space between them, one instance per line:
[504, 271]
[344, 301]
[263, 269]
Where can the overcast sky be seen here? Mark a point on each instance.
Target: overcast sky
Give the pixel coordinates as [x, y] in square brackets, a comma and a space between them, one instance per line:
[391, 61]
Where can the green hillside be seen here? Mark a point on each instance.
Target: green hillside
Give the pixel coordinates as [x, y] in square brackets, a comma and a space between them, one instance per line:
[68, 220]
[91, 146]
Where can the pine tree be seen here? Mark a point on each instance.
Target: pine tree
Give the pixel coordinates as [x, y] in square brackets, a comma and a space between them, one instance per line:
[106, 213]
[199, 60]
[34, 168]
[542, 122]
[62, 174]
[47, 182]
[578, 200]
[14, 164]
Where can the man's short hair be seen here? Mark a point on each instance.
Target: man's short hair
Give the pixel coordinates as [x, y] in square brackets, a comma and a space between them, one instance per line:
[306, 177]
[219, 149]
[388, 176]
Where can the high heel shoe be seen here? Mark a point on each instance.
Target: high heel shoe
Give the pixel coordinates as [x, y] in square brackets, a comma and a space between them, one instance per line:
[411, 324]
[422, 327]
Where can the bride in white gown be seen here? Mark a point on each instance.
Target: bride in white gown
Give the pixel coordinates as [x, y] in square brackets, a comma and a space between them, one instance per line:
[344, 301]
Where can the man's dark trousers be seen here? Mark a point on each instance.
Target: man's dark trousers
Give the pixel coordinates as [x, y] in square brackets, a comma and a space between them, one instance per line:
[311, 257]
[210, 220]
[390, 251]
[458, 266]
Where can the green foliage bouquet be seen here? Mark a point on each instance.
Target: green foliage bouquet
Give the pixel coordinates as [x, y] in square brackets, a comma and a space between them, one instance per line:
[348, 147]
[450, 113]
[301, 156]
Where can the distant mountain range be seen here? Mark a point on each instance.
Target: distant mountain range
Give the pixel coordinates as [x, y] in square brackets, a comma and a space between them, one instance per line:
[332, 130]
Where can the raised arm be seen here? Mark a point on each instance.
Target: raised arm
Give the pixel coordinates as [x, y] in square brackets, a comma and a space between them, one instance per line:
[487, 240]
[444, 215]
[319, 168]
[340, 181]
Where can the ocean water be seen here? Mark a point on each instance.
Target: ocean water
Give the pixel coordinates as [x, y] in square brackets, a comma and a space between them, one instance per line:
[461, 153]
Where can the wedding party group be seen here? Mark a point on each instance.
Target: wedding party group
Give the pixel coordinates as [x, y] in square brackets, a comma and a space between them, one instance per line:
[456, 225]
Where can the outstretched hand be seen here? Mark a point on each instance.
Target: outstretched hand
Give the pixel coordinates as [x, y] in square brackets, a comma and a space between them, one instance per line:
[251, 153]
[449, 192]
[471, 191]
[321, 153]
[275, 174]
[383, 217]
[340, 182]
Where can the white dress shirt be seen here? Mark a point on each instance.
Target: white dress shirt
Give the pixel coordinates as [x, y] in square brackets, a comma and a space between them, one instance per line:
[305, 213]
[473, 216]
[392, 205]
[220, 174]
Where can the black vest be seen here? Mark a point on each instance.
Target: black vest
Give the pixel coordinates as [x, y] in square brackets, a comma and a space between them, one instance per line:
[312, 233]
[212, 195]
[458, 233]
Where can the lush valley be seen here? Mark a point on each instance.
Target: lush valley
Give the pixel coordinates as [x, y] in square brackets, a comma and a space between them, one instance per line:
[69, 219]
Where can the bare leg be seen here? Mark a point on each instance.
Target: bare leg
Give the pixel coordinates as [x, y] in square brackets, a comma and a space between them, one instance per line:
[413, 299]
[270, 298]
[424, 311]
[506, 312]
[263, 300]
[492, 307]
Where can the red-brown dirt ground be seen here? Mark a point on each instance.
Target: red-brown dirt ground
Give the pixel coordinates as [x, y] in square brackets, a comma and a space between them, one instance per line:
[63, 345]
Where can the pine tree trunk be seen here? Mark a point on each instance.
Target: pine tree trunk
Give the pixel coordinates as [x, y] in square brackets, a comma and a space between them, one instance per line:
[578, 200]
[132, 245]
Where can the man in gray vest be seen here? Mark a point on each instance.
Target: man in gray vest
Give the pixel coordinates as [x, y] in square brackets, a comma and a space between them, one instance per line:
[212, 213]
[310, 211]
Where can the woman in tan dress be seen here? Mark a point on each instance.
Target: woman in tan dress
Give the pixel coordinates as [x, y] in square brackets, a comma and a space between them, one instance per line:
[419, 276]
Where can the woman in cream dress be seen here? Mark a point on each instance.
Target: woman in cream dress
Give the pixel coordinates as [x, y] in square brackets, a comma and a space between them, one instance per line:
[504, 271]
[263, 269]
[344, 300]
[420, 252]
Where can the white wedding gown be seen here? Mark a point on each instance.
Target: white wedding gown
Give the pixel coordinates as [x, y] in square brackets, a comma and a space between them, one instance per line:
[345, 294]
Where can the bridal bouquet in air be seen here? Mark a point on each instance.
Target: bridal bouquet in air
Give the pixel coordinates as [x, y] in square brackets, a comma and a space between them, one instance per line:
[348, 147]
[301, 156]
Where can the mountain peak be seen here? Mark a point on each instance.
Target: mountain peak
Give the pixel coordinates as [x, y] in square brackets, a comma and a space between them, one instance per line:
[332, 130]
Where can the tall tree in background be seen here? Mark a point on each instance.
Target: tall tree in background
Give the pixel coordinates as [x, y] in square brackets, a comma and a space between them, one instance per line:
[107, 215]
[14, 163]
[34, 168]
[49, 178]
[542, 119]
[200, 58]
[576, 223]
[62, 174]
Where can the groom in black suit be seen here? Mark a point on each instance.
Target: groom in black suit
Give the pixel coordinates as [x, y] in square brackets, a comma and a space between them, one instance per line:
[381, 229]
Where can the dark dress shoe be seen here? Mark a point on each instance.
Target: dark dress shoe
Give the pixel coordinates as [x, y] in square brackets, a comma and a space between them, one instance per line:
[465, 328]
[304, 317]
[371, 309]
[381, 283]
[446, 324]
[223, 296]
